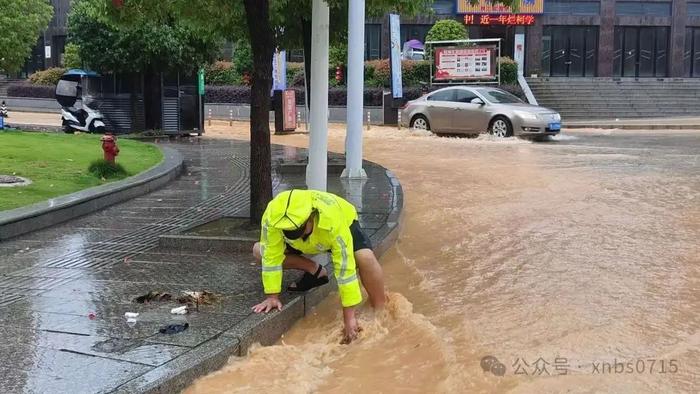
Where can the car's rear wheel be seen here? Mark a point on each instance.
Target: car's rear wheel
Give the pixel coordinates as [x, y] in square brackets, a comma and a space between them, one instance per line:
[420, 122]
[501, 127]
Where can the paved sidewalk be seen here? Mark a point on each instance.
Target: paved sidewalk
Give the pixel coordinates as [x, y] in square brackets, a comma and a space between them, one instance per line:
[16, 118]
[64, 290]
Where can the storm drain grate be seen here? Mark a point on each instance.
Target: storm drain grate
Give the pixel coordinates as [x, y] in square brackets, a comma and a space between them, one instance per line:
[44, 272]
[83, 263]
[7, 299]
[32, 283]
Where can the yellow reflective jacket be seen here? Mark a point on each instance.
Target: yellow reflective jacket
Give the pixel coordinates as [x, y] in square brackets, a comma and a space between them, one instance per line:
[331, 233]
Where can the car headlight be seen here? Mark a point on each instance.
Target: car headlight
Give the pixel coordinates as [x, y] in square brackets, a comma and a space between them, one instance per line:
[526, 115]
[557, 118]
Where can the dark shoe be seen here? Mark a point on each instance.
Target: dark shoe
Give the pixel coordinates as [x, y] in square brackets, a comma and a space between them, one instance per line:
[309, 281]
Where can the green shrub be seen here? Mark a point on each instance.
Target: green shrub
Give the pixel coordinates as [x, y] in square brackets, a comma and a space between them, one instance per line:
[447, 30]
[47, 77]
[380, 74]
[414, 72]
[71, 56]
[338, 54]
[509, 70]
[104, 169]
[243, 59]
[221, 73]
[295, 74]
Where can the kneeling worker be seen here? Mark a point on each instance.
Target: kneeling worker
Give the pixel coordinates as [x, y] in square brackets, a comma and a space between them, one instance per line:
[300, 222]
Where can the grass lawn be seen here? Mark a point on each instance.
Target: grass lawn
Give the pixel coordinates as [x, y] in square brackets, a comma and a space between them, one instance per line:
[58, 164]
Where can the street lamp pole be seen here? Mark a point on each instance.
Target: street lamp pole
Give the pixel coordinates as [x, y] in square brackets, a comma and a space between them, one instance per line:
[356, 46]
[316, 170]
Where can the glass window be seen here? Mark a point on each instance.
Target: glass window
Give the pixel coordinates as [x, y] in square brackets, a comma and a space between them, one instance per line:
[661, 52]
[688, 52]
[373, 41]
[546, 50]
[464, 96]
[442, 95]
[640, 51]
[643, 8]
[696, 52]
[571, 7]
[691, 55]
[498, 96]
[569, 50]
[693, 9]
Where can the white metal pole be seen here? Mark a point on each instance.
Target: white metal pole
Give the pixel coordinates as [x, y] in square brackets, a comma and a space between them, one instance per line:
[316, 170]
[356, 56]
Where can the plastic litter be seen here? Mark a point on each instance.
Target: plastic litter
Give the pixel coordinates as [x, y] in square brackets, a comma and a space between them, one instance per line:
[131, 315]
[180, 310]
[92, 315]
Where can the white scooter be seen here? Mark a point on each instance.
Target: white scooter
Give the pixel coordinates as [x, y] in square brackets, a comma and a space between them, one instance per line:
[83, 119]
[79, 111]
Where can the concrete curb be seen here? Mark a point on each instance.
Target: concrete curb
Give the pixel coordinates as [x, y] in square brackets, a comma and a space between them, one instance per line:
[265, 329]
[34, 127]
[177, 374]
[48, 213]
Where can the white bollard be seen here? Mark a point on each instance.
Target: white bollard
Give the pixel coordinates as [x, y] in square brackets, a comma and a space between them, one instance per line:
[399, 119]
[369, 119]
[209, 116]
[230, 117]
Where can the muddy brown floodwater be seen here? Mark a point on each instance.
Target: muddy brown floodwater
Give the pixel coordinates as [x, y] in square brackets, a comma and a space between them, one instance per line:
[575, 263]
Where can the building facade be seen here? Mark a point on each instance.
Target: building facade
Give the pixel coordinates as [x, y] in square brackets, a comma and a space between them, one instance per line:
[574, 38]
[51, 45]
[563, 38]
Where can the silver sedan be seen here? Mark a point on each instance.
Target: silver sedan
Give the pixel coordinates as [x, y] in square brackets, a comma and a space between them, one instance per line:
[475, 110]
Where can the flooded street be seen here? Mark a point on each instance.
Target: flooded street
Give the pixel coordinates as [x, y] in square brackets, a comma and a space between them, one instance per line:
[575, 263]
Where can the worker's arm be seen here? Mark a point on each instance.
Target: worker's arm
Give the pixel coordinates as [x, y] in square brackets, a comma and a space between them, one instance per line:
[345, 271]
[272, 249]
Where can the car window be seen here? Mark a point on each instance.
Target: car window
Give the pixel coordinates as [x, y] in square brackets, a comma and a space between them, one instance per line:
[443, 95]
[498, 96]
[464, 96]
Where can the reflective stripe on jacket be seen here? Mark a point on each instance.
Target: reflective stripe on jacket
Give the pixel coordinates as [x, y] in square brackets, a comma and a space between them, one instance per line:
[290, 210]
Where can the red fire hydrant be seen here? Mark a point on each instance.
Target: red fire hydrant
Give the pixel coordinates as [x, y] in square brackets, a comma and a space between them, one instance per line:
[109, 146]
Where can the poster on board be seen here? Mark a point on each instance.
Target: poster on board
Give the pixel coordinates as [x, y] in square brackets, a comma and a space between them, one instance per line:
[455, 63]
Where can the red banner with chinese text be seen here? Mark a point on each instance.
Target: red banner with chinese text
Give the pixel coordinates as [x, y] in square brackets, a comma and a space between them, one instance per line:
[496, 20]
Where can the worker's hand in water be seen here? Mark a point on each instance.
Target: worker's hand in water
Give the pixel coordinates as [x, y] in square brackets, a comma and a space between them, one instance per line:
[271, 303]
[351, 327]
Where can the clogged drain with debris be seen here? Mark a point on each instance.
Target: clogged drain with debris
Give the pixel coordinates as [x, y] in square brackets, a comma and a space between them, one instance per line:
[153, 296]
[191, 299]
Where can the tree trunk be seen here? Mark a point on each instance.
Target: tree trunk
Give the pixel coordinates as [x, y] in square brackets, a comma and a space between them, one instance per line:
[306, 37]
[263, 46]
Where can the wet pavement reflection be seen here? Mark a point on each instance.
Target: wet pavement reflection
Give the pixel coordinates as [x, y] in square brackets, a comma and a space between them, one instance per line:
[64, 291]
[574, 263]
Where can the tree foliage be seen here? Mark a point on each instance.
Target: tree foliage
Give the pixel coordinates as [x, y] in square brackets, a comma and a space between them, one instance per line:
[447, 30]
[22, 22]
[71, 56]
[163, 43]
